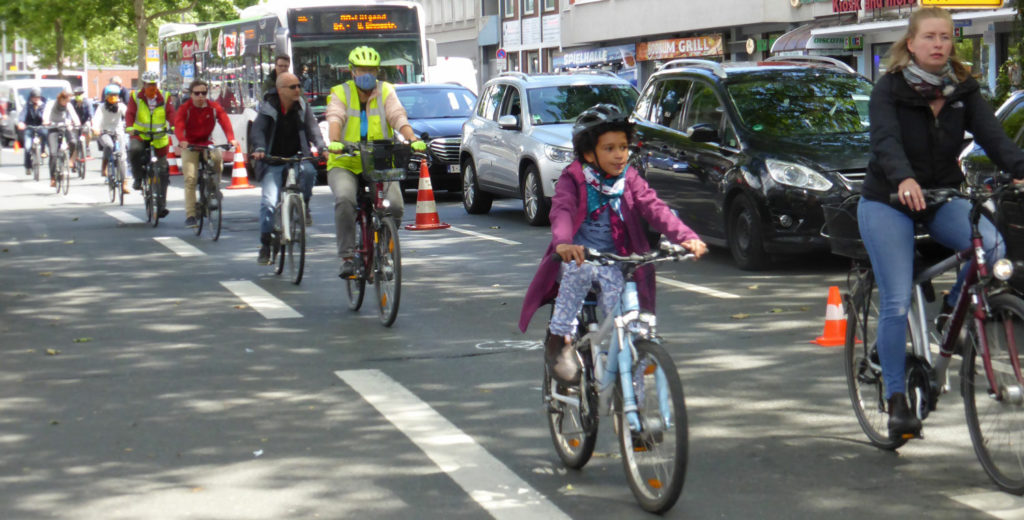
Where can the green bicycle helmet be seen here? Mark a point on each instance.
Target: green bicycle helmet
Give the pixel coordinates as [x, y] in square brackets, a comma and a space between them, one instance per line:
[363, 56]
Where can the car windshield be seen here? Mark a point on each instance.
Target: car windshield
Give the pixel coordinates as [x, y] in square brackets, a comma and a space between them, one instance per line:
[552, 105]
[802, 102]
[430, 103]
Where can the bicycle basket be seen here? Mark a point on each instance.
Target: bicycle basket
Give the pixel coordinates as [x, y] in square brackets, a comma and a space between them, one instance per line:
[842, 229]
[384, 160]
[1010, 223]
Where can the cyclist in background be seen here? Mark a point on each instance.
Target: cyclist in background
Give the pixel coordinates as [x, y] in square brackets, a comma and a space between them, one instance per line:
[110, 118]
[146, 119]
[284, 127]
[85, 110]
[57, 112]
[361, 109]
[193, 123]
[281, 64]
[32, 115]
[602, 203]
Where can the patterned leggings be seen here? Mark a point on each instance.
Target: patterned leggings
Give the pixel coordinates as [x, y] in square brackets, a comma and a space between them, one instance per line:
[576, 281]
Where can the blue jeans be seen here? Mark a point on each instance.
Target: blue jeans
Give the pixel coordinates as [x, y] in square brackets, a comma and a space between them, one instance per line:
[272, 183]
[27, 146]
[888, 236]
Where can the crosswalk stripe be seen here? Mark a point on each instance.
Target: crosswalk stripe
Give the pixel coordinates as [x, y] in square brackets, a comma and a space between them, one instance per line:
[179, 246]
[489, 482]
[262, 301]
[123, 216]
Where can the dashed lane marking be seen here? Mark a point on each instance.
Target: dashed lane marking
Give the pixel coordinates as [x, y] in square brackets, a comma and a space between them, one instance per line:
[485, 236]
[489, 482]
[697, 288]
[179, 246]
[262, 301]
[123, 216]
[994, 503]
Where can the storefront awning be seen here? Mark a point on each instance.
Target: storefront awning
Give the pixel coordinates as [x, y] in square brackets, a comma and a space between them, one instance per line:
[993, 15]
[797, 39]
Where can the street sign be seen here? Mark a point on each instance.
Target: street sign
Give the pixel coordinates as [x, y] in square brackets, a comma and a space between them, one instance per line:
[963, 4]
[500, 54]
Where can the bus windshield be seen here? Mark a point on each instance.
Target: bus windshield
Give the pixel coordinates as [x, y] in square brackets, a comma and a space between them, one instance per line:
[322, 64]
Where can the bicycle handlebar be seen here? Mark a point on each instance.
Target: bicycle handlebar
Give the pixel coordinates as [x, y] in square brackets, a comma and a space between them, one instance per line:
[666, 252]
[200, 148]
[289, 160]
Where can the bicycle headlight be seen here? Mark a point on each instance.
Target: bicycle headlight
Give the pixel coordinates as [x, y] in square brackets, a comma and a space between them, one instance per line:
[558, 154]
[1003, 269]
[798, 176]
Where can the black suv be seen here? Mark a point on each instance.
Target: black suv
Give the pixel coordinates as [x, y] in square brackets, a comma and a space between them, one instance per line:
[748, 152]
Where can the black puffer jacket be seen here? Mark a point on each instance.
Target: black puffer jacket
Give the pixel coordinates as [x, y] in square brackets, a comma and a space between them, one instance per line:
[907, 140]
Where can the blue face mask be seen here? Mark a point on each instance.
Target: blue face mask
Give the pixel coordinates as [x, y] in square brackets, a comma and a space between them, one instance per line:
[366, 81]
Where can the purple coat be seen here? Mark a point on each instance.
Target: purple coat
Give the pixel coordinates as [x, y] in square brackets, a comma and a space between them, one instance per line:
[639, 203]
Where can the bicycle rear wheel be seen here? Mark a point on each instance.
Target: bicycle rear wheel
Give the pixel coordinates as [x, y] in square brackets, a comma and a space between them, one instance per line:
[356, 286]
[387, 276]
[573, 426]
[214, 204]
[860, 361]
[297, 245]
[996, 419]
[655, 457]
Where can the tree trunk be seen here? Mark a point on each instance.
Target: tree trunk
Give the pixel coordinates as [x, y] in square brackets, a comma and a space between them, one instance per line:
[58, 31]
[140, 32]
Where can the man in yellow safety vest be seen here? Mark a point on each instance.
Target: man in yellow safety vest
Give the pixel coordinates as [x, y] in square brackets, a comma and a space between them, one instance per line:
[146, 120]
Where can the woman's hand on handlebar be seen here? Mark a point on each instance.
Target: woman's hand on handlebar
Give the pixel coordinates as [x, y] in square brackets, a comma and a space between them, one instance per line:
[909, 193]
[696, 246]
[570, 253]
[258, 156]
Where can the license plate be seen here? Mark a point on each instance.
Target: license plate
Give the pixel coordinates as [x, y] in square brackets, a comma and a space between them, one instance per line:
[453, 168]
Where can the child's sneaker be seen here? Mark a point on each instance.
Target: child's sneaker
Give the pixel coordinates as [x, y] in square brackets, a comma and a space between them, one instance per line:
[561, 360]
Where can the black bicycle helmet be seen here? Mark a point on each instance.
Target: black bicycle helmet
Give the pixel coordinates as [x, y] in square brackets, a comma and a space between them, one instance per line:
[596, 120]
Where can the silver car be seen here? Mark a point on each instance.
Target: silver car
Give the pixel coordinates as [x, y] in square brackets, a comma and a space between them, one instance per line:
[519, 137]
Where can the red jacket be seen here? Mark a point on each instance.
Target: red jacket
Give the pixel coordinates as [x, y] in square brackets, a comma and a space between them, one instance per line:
[194, 125]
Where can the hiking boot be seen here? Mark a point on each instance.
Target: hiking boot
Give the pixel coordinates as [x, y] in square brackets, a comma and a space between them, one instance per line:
[903, 423]
[561, 360]
[137, 184]
[190, 222]
[53, 183]
[264, 258]
[348, 268]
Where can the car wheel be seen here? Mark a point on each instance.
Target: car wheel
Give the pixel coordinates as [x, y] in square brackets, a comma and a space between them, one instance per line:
[535, 204]
[745, 241]
[475, 201]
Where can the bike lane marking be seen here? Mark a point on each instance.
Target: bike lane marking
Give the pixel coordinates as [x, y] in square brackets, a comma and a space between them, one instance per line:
[994, 503]
[489, 482]
[697, 288]
[262, 301]
[485, 237]
[123, 216]
[179, 246]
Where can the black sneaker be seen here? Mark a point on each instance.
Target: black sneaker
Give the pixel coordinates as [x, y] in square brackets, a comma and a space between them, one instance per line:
[137, 184]
[163, 212]
[348, 268]
[903, 423]
[309, 217]
[264, 258]
[191, 222]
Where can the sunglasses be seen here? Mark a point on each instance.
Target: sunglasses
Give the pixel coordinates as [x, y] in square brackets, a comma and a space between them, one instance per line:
[199, 92]
[293, 87]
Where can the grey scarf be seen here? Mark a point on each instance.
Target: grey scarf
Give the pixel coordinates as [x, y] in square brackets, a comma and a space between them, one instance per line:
[931, 86]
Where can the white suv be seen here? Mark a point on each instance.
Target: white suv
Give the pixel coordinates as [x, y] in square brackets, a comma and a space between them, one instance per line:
[519, 137]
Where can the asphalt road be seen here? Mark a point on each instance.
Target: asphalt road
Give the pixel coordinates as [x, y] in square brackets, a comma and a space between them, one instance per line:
[134, 383]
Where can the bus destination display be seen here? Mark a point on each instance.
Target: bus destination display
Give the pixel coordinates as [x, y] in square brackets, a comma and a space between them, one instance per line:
[307, 21]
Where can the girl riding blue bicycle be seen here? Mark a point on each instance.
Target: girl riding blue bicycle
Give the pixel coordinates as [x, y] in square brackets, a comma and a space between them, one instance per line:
[602, 203]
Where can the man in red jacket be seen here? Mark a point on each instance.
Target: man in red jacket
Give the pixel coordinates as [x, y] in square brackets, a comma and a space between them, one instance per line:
[193, 123]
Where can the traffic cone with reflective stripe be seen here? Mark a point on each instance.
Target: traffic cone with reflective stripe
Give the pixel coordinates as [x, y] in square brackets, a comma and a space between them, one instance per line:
[239, 179]
[17, 145]
[172, 162]
[426, 210]
[835, 321]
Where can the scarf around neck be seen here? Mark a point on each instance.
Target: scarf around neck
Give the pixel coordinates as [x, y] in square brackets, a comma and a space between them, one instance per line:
[931, 86]
[602, 192]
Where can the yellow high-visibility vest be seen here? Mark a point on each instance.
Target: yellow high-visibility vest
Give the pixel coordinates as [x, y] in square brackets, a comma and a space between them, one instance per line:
[376, 122]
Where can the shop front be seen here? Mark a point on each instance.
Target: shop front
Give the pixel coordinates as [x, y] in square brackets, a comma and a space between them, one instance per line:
[651, 55]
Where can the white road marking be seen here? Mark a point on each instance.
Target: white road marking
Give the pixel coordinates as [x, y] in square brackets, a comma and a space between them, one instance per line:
[486, 237]
[179, 246]
[492, 485]
[123, 216]
[697, 288]
[994, 503]
[265, 303]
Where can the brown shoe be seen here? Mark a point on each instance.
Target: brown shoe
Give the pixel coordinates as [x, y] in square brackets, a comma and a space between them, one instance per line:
[561, 359]
[126, 189]
[53, 183]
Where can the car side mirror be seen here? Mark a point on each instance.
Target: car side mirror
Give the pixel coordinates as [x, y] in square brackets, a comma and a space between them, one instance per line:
[508, 122]
[702, 133]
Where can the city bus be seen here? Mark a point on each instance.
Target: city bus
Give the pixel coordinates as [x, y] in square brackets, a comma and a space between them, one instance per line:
[237, 56]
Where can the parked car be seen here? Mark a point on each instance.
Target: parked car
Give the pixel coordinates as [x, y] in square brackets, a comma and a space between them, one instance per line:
[748, 152]
[15, 93]
[437, 110]
[519, 137]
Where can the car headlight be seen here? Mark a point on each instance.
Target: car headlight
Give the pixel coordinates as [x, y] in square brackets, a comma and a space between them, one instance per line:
[559, 154]
[795, 175]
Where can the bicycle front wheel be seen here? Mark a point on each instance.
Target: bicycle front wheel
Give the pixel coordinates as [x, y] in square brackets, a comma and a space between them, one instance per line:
[861, 364]
[65, 170]
[112, 182]
[154, 188]
[214, 205]
[59, 173]
[147, 195]
[995, 416]
[655, 456]
[356, 286]
[387, 276]
[297, 245]
[36, 160]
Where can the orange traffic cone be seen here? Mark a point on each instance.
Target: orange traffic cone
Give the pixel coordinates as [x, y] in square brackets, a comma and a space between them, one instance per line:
[835, 321]
[239, 179]
[17, 145]
[426, 210]
[172, 162]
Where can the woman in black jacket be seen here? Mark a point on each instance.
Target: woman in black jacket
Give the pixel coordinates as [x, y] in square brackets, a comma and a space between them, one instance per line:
[919, 111]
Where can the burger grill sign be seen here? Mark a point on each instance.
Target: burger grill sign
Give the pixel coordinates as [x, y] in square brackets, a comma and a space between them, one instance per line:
[680, 48]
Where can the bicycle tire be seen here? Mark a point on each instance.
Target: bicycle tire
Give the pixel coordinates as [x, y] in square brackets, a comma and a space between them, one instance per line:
[355, 286]
[147, 196]
[297, 245]
[215, 215]
[67, 175]
[200, 209]
[996, 425]
[58, 174]
[573, 429]
[36, 159]
[655, 458]
[387, 267]
[112, 182]
[154, 189]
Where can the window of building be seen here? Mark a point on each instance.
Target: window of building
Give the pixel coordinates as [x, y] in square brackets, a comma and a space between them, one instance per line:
[510, 8]
[550, 5]
[528, 7]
